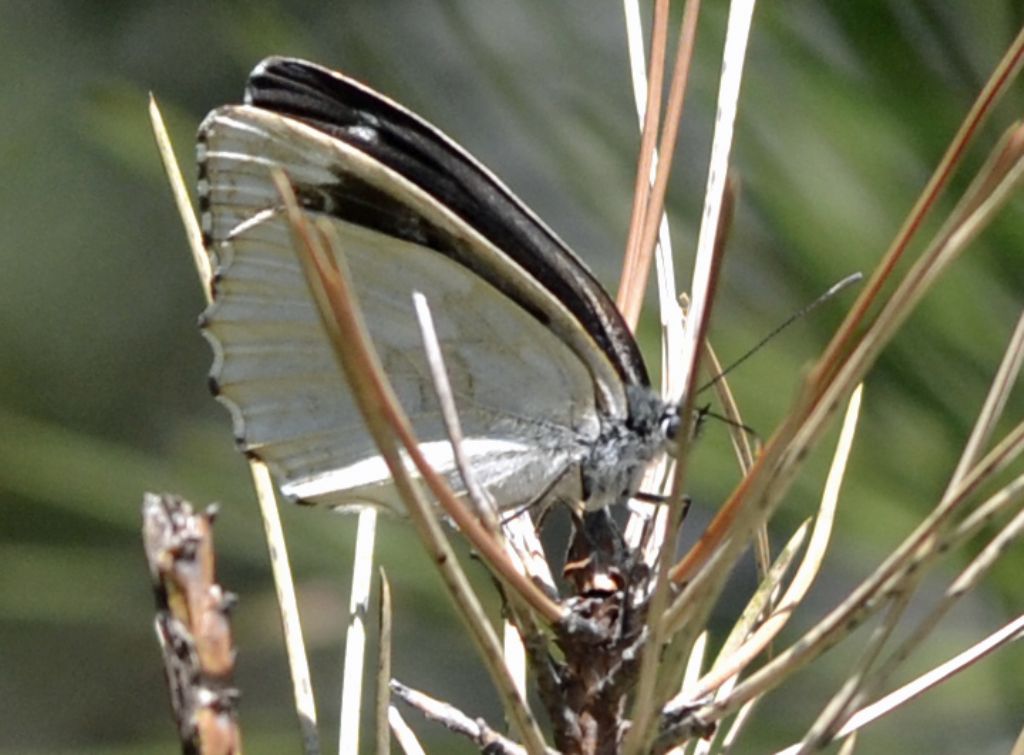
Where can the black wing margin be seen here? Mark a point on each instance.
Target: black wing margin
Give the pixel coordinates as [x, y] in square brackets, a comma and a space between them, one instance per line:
[359, 116]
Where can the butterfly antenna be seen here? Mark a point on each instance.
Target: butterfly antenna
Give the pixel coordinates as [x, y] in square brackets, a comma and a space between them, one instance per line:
[705, 411]
[835, 289]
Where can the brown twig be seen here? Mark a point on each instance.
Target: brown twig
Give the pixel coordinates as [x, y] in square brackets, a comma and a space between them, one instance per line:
[192, 624]
[639, 264]
[630, 293]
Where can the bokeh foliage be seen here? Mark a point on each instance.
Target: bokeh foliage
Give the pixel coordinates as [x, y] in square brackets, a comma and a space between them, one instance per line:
[846, 108]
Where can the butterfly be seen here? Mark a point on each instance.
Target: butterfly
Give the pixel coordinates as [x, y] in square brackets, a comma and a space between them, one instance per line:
[551, 389]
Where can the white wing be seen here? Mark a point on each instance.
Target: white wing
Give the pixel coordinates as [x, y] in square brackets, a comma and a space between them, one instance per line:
[526, 401]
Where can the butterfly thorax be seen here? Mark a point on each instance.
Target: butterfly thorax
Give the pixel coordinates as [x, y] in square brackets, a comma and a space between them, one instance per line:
[617, 457]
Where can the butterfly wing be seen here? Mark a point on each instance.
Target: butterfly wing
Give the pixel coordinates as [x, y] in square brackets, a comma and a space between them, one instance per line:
[397, 138]
[549, 378]
[525, 398]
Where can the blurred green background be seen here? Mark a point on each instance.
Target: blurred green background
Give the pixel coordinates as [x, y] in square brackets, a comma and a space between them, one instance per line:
[846, 108]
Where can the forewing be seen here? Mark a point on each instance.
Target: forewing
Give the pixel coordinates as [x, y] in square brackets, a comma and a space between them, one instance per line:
[397, 138]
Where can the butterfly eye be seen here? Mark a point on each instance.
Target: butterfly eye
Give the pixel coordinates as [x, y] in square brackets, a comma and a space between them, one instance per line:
[670, 425]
